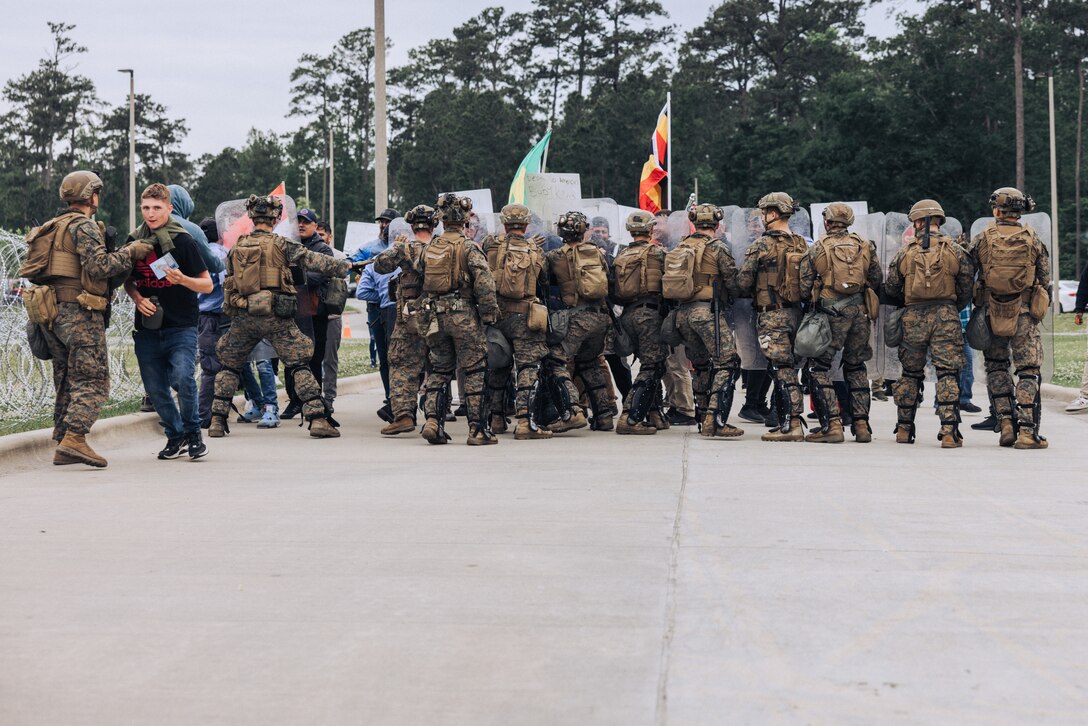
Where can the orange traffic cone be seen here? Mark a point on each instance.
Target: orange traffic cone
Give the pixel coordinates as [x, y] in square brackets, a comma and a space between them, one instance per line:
[347, 328]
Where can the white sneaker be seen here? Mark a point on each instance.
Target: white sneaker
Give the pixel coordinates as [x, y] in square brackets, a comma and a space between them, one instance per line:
[1079, 405]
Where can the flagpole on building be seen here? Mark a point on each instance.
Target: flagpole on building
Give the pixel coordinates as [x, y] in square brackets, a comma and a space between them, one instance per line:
[668, 149]
[544, 159]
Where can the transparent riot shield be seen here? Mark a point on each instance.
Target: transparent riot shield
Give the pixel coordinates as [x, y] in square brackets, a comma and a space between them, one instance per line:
[871, 227]
[679, 227]
[745, 227]
[952, 227]
[232, 221]
[1040, 223]
[606, 228]
[897, 230]
[398, 227]
[801, 223]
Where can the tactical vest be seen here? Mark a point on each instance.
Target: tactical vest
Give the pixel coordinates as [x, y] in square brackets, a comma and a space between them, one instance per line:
[444, 263]
[690, 270]
[53, 259]
[580, 271]
[1007, 255]
[410, 281]
[778, 269]
[516, 263]
[258, 262]
[929, 275]
[637, 272]
[843, 265]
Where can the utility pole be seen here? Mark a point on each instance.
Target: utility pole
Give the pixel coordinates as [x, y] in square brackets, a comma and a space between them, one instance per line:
[1054, 244]
[381, 156]
[306, 184]
[1079, 157]
[131, 148]
[332, 185]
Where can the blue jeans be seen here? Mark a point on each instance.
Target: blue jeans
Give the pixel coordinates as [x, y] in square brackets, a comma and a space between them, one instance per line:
[167, 359]
[967, 376]
[263, 393]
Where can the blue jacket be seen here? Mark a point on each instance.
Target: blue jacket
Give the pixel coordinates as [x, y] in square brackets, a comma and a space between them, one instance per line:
[212, 302]
[374, 288]
[183, 207]
[372, 249]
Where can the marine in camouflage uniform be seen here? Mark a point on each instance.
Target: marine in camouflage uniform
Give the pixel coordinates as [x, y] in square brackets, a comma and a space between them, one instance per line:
[641, 265]
[702, 324]
[762, 277]
[292, 347]
[407, 346]
[459, 295]
[848, 315]
[587, 328]
[521, 274]
[1031, 269]
[931, 321]
[79, 264]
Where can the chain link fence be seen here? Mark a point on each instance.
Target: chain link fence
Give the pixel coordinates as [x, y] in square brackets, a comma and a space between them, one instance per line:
[26, 383]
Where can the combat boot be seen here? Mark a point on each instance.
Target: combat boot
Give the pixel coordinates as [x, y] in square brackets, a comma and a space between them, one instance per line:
[498, 424]
[660, 422]
[862, 433]
[479, 438]
[524, 432]
[949, 437]
[320, 428]
[431, 433]
[603, 423]
[1007, 431]
[830, 435]
[642, 428]
[794, 432]
[711, 430]
[400, 425]
[60, 458]
[1028, 439]
[576, 421]
[76, 446]
[218, 427]
[904, 434]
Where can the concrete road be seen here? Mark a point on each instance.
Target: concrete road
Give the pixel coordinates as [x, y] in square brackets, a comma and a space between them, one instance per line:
[592, 579]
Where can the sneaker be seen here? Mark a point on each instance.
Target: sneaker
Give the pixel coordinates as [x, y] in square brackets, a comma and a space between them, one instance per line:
[987, 424]
[461, 410]
[197, 447]
[1078, 405]
[252, 415]
[678, 418]
[293, 409]
[750, 413]
[970, 408]
[174, 448]
[270, 419]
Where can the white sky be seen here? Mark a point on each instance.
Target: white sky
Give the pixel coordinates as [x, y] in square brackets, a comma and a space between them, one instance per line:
[224, 66]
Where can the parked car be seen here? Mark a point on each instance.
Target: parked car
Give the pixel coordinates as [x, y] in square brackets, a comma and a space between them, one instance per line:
[1067, 295]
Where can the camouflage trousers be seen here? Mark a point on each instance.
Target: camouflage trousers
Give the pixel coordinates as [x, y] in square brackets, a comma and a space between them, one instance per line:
[715, 372]
[581, 349]
[850, 332]
[455, 339]
[1025, 349]
[933, 329]
[776, 330]
[81, 374]
[530, 349]
[292, 348]
[643, 324]
[407, 361]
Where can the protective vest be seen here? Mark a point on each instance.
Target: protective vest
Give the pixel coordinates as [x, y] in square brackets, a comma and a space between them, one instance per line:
[444, 263]
[53, 259]
[843, 265]
[929, 275]
[637, 272]
[410, 280]
[691, 269]
[580, 271]
[258, 262]
[1007, 255]
[516, 263]
[778, 269]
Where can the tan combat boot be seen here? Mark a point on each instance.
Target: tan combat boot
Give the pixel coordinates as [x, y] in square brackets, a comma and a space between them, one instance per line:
[1007, 431]
[217, 429]
[831, 435]
[399, 425]
[1028, 440]
[479, 438]
[660, 422]
[60, 458]
[642, 428]
[320, 428]
[949, 438]
[576, 421]
[710, 429]
[794, 433]
[524, 432]
[903, 434]
[498, 424]
[431, 432]
[862, 433]
[76, 446]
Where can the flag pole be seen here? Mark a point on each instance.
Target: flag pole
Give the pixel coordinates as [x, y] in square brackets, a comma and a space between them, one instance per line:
[668, 149]
[544, 159]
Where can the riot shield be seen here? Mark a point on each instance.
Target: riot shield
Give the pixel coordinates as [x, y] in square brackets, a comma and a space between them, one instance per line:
[871, 227]
[897, 229]
[232, 221]
[952, 227]
[801, 223]
[679, 227]
[1040, 223]
[398, 227]
[605, 224]
[745, 227]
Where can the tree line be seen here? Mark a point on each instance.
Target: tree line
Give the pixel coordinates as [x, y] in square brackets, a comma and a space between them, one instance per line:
[767, 95]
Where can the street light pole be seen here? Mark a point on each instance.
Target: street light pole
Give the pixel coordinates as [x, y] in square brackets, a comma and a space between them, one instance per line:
[131, 148]
[381, 158]
[1054, 244]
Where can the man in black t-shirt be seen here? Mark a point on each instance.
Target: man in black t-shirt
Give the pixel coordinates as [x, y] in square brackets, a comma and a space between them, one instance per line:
[164, 287]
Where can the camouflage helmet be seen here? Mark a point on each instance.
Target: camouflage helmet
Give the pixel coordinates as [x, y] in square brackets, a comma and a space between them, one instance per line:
[1011, 199]
[79, 186]
[453, 209]
[422, 217]
[641, 222]
[839, 213]
[267, 207]
[705, 215]
[515, 215]
[779, 201]
[926, 208]
[572, 224]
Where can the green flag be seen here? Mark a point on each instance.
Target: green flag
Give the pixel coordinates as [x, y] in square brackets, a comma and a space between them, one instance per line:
[531, 164]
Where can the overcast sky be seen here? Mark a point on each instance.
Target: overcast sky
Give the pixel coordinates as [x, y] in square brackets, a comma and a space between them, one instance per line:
[224, 66]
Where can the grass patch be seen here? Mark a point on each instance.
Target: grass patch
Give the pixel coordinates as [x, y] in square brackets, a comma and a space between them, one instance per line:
[1070, 344]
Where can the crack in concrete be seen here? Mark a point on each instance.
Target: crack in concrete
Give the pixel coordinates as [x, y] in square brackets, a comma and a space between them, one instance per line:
[661, 711]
